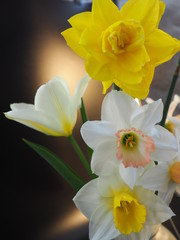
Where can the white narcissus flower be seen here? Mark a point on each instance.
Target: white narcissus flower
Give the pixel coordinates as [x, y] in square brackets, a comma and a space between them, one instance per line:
[164, 177]
[128, 134]
[116, 211]
[54, 111]
[172, 121]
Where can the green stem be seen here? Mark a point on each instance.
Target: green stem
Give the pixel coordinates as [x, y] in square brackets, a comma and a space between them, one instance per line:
[170, 93]
[80, 154]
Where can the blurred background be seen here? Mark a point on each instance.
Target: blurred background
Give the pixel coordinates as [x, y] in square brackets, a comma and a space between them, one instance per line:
[37, 202]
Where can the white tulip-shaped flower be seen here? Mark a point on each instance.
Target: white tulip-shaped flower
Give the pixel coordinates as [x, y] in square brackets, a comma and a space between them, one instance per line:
[116, 211]
[54, 111]
[127, 133]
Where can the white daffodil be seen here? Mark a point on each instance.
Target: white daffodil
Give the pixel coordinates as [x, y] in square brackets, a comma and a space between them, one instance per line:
[172, 122]
[164, 177]
[127, 133]
[116, 211]
[54, 111]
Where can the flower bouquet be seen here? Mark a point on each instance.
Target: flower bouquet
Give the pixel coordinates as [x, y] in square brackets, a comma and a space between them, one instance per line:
[134, 149]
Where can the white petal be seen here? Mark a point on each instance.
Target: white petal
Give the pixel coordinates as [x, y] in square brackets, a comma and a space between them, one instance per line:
[123, 237]
[54, 98]
[93, 132]
[102, 226]
[173, 105]
[21, 106]
[37, 120]
[176, 121]
[130, 174]
[157, 210]
[103, 155]
[168, 195]
[149, 100]
[88, 199]
[147, 116]
[118, 108]
[79, 91]
[144, 234]
[110, 185]
[165, 144]
[156, 177]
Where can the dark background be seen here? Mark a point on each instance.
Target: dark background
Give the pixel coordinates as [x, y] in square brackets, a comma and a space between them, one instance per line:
[37, 202]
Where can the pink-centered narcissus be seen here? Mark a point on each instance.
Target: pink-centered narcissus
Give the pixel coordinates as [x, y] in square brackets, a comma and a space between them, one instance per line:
[127, 135]
[122, 46]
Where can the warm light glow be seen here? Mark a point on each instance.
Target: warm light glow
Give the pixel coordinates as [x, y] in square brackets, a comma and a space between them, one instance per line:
[164, 233]
[54, 58]
[73, 220]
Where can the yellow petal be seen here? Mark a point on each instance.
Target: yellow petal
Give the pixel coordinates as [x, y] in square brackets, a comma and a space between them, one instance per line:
[105, 12]
[161, 47]
[104, 70]
[98, 70]
[72, 37]
[81, 20]
[106, 85]
[90, 39]
[144, 11]
[161, 11]
[135, 60]
[139, 90]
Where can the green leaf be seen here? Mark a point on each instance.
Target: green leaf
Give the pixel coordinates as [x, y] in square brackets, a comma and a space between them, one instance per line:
[85, 119]
[63, 169]
[83, 112]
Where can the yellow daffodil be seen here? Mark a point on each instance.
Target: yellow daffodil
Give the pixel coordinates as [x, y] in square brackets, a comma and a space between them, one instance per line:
[122, 46]
[54, 111]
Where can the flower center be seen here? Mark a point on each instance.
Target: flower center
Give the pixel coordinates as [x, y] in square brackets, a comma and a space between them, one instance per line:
[133, 147]
[129, 140]
[122, 35]
[129, 215]
[174, 172]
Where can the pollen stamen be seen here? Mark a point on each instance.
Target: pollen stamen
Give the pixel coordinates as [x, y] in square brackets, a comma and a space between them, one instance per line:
[129, 142]
[125, 206]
